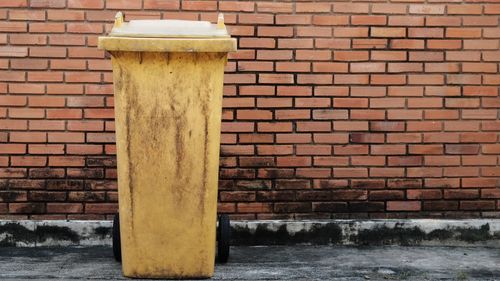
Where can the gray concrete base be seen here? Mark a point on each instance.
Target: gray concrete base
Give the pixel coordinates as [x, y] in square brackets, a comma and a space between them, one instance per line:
[311, 263]
[424, 232]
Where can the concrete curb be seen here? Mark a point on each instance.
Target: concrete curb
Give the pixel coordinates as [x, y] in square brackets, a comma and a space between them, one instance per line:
[425, 232]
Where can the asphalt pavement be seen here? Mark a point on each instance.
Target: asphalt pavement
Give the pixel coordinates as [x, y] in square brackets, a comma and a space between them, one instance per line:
[272, 263]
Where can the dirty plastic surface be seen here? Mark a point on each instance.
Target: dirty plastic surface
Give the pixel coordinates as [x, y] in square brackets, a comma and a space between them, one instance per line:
[168, 29]
[168, 36]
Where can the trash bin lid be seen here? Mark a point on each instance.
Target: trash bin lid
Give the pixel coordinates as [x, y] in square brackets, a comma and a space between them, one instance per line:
[168, 36]
[168, 29]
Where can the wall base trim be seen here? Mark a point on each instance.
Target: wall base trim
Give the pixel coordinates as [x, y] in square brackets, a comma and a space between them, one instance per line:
[413, 232]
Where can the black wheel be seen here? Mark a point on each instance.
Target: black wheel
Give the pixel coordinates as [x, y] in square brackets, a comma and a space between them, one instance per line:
[223, 238]
[117, 247]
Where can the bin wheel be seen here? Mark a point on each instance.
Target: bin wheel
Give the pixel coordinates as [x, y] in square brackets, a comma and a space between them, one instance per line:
[223, 238]
[117, 250]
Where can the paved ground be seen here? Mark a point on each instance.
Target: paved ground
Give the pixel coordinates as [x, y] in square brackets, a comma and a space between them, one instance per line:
[272, 263]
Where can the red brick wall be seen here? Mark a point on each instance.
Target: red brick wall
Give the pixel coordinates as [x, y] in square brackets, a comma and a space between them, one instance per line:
[332, 109]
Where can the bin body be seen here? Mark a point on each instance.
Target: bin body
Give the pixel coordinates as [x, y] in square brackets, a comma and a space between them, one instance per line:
[168, 113]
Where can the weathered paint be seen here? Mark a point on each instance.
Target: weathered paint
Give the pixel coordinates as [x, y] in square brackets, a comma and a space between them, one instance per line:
[168, 114]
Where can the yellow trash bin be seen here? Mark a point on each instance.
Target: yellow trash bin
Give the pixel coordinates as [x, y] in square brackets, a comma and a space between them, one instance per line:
[168, 80]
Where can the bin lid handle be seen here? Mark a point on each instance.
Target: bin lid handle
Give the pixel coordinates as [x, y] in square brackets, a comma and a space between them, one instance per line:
[118, 19]
[220, 22]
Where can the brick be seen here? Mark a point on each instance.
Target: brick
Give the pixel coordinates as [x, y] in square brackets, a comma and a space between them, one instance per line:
[26, 113]
[99, 113]
[463, 32]
[84, 28]
[14, 4]
[293, 19]
[313, 7]
[350, 8]
[64, 208]
[388, 55]
[425, 32]
[313, 172]
[86, 4]
[331, 138]
[6, 148]
[407, 44]
[295, 43]
[477, 205]
[293, 138]
[14, 124]
[389, 8]
[330, 20]
[47, 3]
[482, 44]
[404, 67]
[27, 15]
[27, 39]
[351, 79]
[292, 114]
[492, 9]
[368, 20]
[293, 67]
[419, 194]
[162, 4]
[366, 206]
[26, 208]
[326, 114]
[292, 207]
[462, 149]
[479, 67]
[236, 6]
[350, 172]
[313, 126]
[329, 161]
[53, 52]
[386, 195]
[387, 103]
[480, 21]
[46, 27]
[13, 27]
[254, 114]
[274, 54]
[255, 19]
[101, 208]
[313, 150]
[490, 193]
[406, 20]
[274, 7]
[25, 137]
[404, 206]
[350, 32]
[340, 43]
[268, 31]
[427, 9]
[364, 91]
[306, 31]
[463, 55]
[330, 207]
[388, 32]
[13, 196]
[313, 55]
[248, 42]
[82, 149]
[65, 137]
